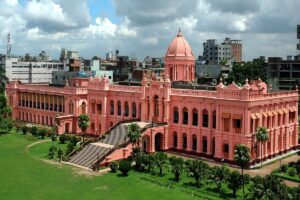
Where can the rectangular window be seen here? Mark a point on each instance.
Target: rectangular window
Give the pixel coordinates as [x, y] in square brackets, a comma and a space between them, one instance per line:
[99, 108]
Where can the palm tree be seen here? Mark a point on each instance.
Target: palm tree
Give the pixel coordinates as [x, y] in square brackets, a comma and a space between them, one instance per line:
[262, 136]
[160, 159]
[219, 175]
[134, 134]
[197, 169]
[242, 158]
[83, 123]
[234, 181]
[177, 165]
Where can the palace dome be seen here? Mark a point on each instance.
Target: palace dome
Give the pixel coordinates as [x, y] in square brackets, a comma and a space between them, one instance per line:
[179, 47]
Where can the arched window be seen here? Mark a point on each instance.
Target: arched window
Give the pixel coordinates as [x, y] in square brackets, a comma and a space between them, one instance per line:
[185, 113]
[214, 119]
[126, 109]
[194, 147]
[119, 108]
[175, 140]
[204, 144]
[83, 106]
[112, 107]
[133, 110]
[175, 115]
[205, 118]
[156, 108]
[71, 108]
[184, 141]
[195, 117]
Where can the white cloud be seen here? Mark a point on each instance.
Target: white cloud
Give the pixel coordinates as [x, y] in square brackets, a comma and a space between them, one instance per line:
[37, 34]
[150, 41]
[12, 2]
[47, 11]
[102, 27]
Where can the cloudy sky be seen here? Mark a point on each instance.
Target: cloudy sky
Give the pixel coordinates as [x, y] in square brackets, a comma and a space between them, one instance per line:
[145, 27]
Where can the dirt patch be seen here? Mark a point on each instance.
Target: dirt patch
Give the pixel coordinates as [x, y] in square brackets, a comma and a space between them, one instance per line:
[291, 183]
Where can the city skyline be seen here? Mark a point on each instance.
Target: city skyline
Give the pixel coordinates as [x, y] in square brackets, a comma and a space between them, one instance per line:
[94, 27]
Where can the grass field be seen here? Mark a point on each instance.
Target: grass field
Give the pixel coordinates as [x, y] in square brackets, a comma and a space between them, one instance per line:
[24, 176]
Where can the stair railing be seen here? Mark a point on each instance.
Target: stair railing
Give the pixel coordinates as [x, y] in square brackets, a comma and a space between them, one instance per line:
[95, 164]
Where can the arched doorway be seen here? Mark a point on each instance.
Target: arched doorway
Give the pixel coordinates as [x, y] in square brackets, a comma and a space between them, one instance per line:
[158, 141]
[67, 127]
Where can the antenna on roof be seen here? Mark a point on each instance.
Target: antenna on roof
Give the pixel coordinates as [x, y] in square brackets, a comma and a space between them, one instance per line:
[8, 46]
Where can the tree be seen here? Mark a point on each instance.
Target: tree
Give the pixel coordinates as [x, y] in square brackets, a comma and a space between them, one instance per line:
[137, 154]
[42, 133]
[52, 151]
[234, 181]
[63, 138]
[197, 169]
[34, 130]
[74, 140]
[177, 165]
[83, 123]
[3, 101]
[160, 159]
[5, 125]
[134, 134]
[114, 166]
[125, 167]
[24, 129]
[269, 187]
[250, 70]
[242, 158]
[262, 136]
[70, 148]
[219, 175]
[59, 153]
[148, 160]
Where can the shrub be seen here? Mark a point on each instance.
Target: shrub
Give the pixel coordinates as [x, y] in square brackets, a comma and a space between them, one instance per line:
[70, 148]
[24, 129]
[284, 168]
[292, 164]
[113, 167]
[42, 132]
[73, 140]
[63, 138]
[292, 171]
[52, 151]
[125, 167]
[53, 137]
[34, 131]
[59, 153]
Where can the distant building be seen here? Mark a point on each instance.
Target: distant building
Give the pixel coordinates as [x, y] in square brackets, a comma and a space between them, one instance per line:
[67, 54]
[227, 52]
[298, 45]
[81, 69]
[282, 74]
[30, 71]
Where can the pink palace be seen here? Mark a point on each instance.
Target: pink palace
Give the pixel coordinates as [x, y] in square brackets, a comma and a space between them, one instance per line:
[190, 120]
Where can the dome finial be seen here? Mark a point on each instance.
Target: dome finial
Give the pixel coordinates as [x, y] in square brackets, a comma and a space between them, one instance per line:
[179, 32]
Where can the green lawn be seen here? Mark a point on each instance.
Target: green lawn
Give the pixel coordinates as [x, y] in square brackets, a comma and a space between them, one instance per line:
[23, 176]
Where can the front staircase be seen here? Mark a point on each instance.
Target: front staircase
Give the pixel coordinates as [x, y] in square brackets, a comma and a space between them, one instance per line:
[115, 138]
[97, 150]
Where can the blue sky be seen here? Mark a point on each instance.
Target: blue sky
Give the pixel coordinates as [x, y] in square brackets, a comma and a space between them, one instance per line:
[146, 27]
[103, 8]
